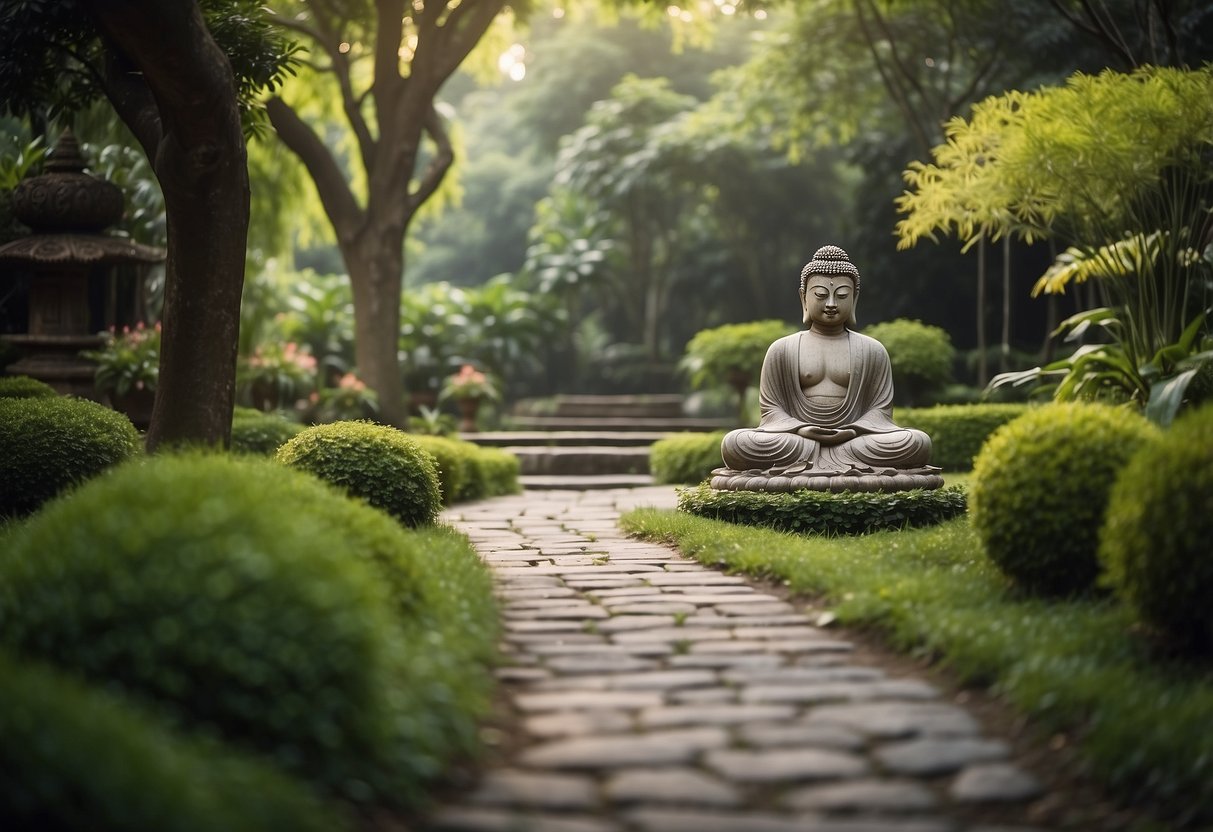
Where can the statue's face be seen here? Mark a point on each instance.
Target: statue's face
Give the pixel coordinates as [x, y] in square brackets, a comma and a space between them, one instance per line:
[828, 300]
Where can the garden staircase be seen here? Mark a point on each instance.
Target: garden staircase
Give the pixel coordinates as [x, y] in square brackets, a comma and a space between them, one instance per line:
[582, 442]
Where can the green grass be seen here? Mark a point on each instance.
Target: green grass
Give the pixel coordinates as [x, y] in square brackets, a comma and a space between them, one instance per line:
[1141, 722]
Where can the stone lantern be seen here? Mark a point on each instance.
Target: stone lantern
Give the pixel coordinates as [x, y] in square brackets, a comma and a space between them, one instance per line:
[75, 272]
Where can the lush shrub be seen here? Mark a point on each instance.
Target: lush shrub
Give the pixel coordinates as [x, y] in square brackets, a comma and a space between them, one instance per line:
[50, 444]
[78, 759]
[229, 592]
[921, 355]
[1157, 543]
[24, 387]
[1040, 489]
[958, 431]
[380, 464]
[686, 457]
[454, 460]
[819, 512]
[258, 433]
[495, 472]
[713, 354]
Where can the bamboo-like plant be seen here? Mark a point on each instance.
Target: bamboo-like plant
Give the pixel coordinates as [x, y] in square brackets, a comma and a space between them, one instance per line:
[1117, 165]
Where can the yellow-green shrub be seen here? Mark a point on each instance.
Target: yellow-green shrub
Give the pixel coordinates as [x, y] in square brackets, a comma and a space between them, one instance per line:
[379, 464]
[254, 432]
[685, 457]
[1040, 489]
[957, 431]
[1157, 542]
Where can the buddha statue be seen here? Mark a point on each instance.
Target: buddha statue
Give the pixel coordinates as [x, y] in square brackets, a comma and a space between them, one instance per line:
[826, 397]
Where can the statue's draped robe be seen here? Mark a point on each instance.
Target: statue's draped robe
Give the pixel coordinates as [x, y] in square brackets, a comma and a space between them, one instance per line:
[867, 409]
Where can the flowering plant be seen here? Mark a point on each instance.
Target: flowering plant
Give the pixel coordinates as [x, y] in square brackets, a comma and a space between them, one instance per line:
[468, 383]
[276, 372]
[128, 360]
[350, 399]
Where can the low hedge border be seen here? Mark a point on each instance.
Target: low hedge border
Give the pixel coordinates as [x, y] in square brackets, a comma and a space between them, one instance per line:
[958, 431]
[685, 458]
[819, 512]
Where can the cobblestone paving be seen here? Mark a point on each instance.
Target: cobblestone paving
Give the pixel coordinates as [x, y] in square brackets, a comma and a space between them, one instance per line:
[657, 695]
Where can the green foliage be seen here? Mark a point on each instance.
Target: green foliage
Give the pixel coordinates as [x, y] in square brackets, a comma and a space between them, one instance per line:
[467, 471]
[256, 602]
[226, 609]
[821, 512]
[254, 432]
[48, 445]
[958, 431]
[79, 758]
[128, 360]
[716, 356]
[377, 463]
[348, 400]
[24, 387]
[1040, 489]
[1155, 542]
[687, 458]
[921, 355]
[1073, 667]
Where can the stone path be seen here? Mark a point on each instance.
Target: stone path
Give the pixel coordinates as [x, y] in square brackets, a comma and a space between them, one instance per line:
[653, 694]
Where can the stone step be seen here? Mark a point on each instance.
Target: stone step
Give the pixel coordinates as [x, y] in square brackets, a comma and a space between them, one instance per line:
[616, 423]
[581, 460]
[584, 483]
[651, 406]
[544, 438]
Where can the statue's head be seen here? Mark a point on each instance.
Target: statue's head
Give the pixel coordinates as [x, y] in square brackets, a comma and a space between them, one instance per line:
[830, 269]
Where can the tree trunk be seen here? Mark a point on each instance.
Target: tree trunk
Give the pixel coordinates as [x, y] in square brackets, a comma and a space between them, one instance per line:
[1004, 355]
[376, 267]
[983, 369]
[173, 86]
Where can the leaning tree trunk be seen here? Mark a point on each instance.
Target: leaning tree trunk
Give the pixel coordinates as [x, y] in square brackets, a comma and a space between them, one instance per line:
[172, 85]
[983, 369]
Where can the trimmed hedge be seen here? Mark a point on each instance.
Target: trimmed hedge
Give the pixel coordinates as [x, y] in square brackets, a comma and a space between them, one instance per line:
[686, 458]
[48, 445]
[958, 431]
[467, 471]
[1040, 489]
[227, 591]
[495, 474]
[819, 512]
[921, 356]
[78, 759]
[1157, 541]
[261, 434]
[379, 464]
[24, 387]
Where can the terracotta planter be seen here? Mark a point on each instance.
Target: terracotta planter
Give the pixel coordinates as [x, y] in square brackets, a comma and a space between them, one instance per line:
[467, 414]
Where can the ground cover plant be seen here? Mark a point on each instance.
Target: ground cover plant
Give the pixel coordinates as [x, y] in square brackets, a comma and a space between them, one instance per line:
[1076, 667]
[821, 512]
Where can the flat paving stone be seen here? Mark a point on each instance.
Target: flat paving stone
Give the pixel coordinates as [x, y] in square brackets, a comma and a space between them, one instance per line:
[879, 823]
[901, 719]
[660, 786]
[587, 700]
[471, 819]
[993, 783]
[649, 680]
[938, 755]
[617, 751]
[563, 723]
[864, 795]
[621, 623]
[785, 765]
[684, 820]
[516, 787]
[711, 714]
[799, 735]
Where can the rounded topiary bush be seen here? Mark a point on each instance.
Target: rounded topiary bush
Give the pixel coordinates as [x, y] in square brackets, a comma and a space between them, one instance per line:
[78, 759]
[380, 464]
[50, 444]
[1157, 542]
[494, 473]
[229, 592]
[921, 356]
[254, 432]
[686, 458]
[24, 387]
[1040, 488]
[453, 458]
[958, 431]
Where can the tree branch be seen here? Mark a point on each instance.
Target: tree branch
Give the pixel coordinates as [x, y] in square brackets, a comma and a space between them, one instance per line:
[436, 170]
[466, 25]
[339, 204]
[896, 91]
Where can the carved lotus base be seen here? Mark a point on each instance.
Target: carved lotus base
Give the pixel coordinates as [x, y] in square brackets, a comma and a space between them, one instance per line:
[856, 479]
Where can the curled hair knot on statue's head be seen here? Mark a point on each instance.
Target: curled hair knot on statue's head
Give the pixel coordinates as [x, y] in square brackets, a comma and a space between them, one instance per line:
[829, 260]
